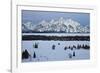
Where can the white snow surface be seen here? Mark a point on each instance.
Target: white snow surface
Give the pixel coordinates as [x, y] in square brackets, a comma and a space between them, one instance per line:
[44, 51]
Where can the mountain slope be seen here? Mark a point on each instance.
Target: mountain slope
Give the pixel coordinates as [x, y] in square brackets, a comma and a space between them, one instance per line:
[60, 25]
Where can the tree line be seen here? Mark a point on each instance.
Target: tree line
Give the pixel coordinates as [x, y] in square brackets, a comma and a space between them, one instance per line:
[55, 38]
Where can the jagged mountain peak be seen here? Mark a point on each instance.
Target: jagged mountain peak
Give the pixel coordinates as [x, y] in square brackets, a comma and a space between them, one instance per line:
[60, 25]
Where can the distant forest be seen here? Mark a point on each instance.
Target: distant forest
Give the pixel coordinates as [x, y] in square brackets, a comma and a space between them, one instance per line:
[56, 38]
[51, 32]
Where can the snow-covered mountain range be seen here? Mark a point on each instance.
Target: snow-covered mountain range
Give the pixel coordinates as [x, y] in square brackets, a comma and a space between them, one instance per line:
[60, 25]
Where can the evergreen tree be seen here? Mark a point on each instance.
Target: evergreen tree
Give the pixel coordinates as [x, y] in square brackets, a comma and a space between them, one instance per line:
[25, 54]
[36, 45]
[74, 53]
[34, 55]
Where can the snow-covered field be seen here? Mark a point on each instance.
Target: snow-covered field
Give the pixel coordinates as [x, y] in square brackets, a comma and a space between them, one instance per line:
[45, 52]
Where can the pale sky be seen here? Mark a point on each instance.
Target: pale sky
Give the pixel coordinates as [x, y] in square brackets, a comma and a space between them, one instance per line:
[37, 16]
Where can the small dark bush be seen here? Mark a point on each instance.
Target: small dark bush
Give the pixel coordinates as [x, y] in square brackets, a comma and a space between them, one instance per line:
[74, 46]
[71, 48]
[65, 48]
[58, 43]
[70, 55]
[53, 47]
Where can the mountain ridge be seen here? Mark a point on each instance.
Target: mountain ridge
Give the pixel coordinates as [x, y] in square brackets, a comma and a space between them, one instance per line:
[56, 26]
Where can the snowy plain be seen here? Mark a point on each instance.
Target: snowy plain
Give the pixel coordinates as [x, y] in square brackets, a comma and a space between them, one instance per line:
[44, 52]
